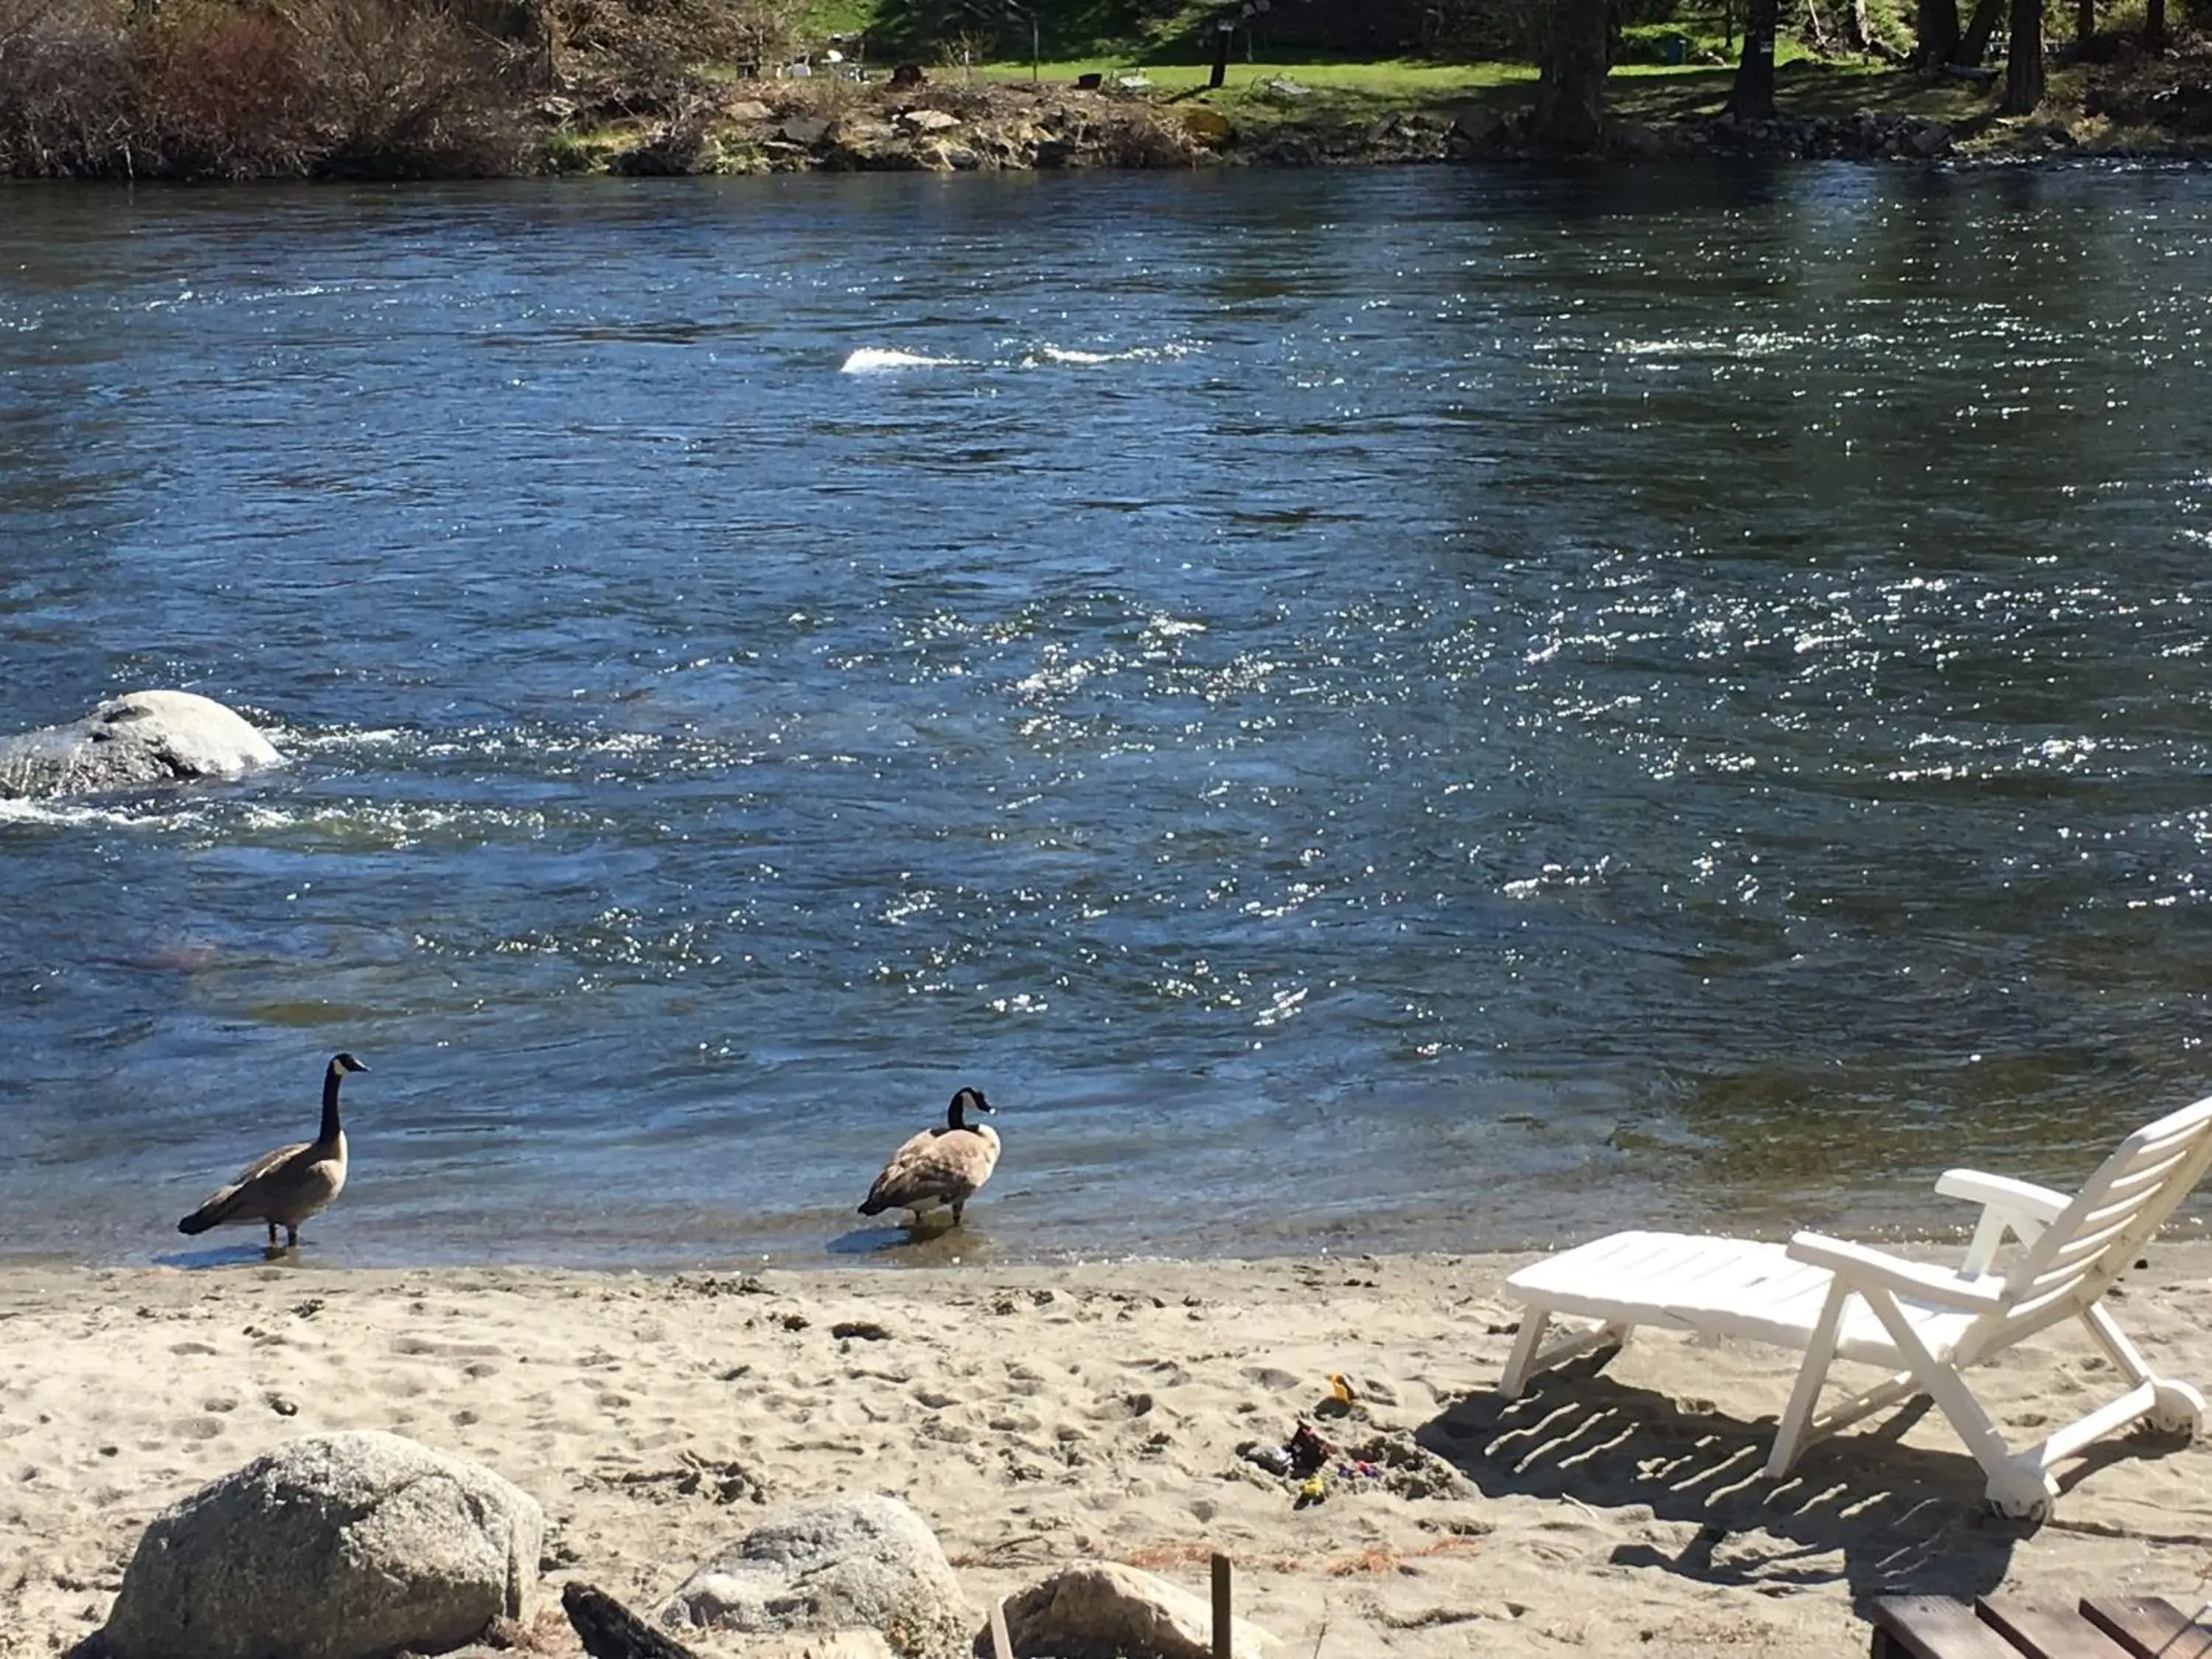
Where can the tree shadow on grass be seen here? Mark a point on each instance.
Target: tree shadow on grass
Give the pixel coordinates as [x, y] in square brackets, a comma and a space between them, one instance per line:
[1886, 1518]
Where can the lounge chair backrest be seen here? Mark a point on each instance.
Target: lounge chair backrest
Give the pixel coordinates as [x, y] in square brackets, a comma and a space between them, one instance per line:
[2098, 1236]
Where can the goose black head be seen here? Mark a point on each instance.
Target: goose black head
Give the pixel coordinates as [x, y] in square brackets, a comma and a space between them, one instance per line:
[969, 1100]
[346, 1063]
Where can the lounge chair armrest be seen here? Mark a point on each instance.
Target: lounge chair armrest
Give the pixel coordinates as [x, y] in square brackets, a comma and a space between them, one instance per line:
[1857, 1266]
[2020, 1207]
[2002, 1193]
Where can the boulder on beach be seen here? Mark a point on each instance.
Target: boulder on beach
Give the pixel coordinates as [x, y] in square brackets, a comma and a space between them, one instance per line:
[859, 1563]
[347, 1546]
[1103, 1610]
[129, 742]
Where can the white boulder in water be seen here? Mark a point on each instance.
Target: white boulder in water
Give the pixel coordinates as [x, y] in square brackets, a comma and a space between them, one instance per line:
[129, 742]
[878, 359]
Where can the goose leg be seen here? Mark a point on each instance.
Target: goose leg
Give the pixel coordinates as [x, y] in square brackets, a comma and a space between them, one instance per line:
[272, 1234]
[291, 1237]
[956, 1208]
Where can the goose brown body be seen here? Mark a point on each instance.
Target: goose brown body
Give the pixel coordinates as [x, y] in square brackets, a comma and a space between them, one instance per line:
[284, 1187]
[945, 1166]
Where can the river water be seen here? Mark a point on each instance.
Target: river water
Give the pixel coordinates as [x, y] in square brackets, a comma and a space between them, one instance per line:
[1439, 707]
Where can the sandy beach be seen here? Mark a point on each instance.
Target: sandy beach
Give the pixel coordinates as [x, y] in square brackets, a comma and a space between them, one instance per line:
[1038, 1415]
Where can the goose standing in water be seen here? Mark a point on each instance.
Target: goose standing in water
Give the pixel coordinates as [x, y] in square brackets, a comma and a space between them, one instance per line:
[939, 1166]
[285, 1187]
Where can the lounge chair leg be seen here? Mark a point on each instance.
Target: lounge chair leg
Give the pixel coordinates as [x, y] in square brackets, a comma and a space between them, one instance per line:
[1790, 1436]
[1523, 1357]
[1530, 1356]
[2014, 1482]
[1899, 1388]
[2114, 1342]
[2179, 1409]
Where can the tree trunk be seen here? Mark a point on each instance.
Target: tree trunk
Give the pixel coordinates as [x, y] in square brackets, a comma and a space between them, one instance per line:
[2085, 21]
[1821, 43]
[2154, 24]
[1939, 33]
[1754, 97]
[2024, 60]
[1570, 52]
[1859, 34]
[1979, 29]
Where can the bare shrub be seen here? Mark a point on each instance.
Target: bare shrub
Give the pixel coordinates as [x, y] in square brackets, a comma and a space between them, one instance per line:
[1138, 138]
[255, 89]
[658, 56]
[405, 92]
[66, 99]
[223, 94]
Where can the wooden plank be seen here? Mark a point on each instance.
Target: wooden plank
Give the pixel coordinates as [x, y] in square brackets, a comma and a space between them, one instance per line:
[1934, 1627]
[1002, 1645]
[2149, 1627]
[2047, 1630]
[1223, 1639]
[609, 1630]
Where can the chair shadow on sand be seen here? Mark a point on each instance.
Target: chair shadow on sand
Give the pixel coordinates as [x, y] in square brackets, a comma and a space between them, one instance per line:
[1887, 1517]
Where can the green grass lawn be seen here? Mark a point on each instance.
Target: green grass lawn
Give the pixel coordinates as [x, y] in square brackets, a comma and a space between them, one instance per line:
[1640, 92]
[1403, 80]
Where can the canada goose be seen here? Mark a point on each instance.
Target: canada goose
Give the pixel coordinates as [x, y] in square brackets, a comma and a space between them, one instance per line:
[939, 1166]
[285, 1187]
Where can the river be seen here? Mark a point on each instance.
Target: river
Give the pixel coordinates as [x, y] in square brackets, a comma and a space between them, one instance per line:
[1439, 707]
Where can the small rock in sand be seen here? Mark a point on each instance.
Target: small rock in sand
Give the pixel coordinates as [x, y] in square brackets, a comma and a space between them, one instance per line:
[1103, 1610]
[867, 1562]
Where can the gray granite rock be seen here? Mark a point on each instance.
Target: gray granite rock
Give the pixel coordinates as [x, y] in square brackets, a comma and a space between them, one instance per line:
[860, 1563]
[338, 1546]
[131, 741]
[1103, 1610]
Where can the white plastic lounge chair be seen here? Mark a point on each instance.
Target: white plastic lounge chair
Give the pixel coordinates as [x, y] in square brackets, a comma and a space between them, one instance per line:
[1930, 1324]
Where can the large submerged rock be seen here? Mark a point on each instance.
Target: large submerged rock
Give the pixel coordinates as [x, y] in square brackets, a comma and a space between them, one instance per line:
[339, 1547]
[129, 742]
[860, 1563]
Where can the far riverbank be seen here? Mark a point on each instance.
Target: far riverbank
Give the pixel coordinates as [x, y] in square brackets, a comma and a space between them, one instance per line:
[230, 97]
[2139, 110]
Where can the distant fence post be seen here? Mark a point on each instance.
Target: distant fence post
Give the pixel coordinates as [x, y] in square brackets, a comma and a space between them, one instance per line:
[1223, 1648]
